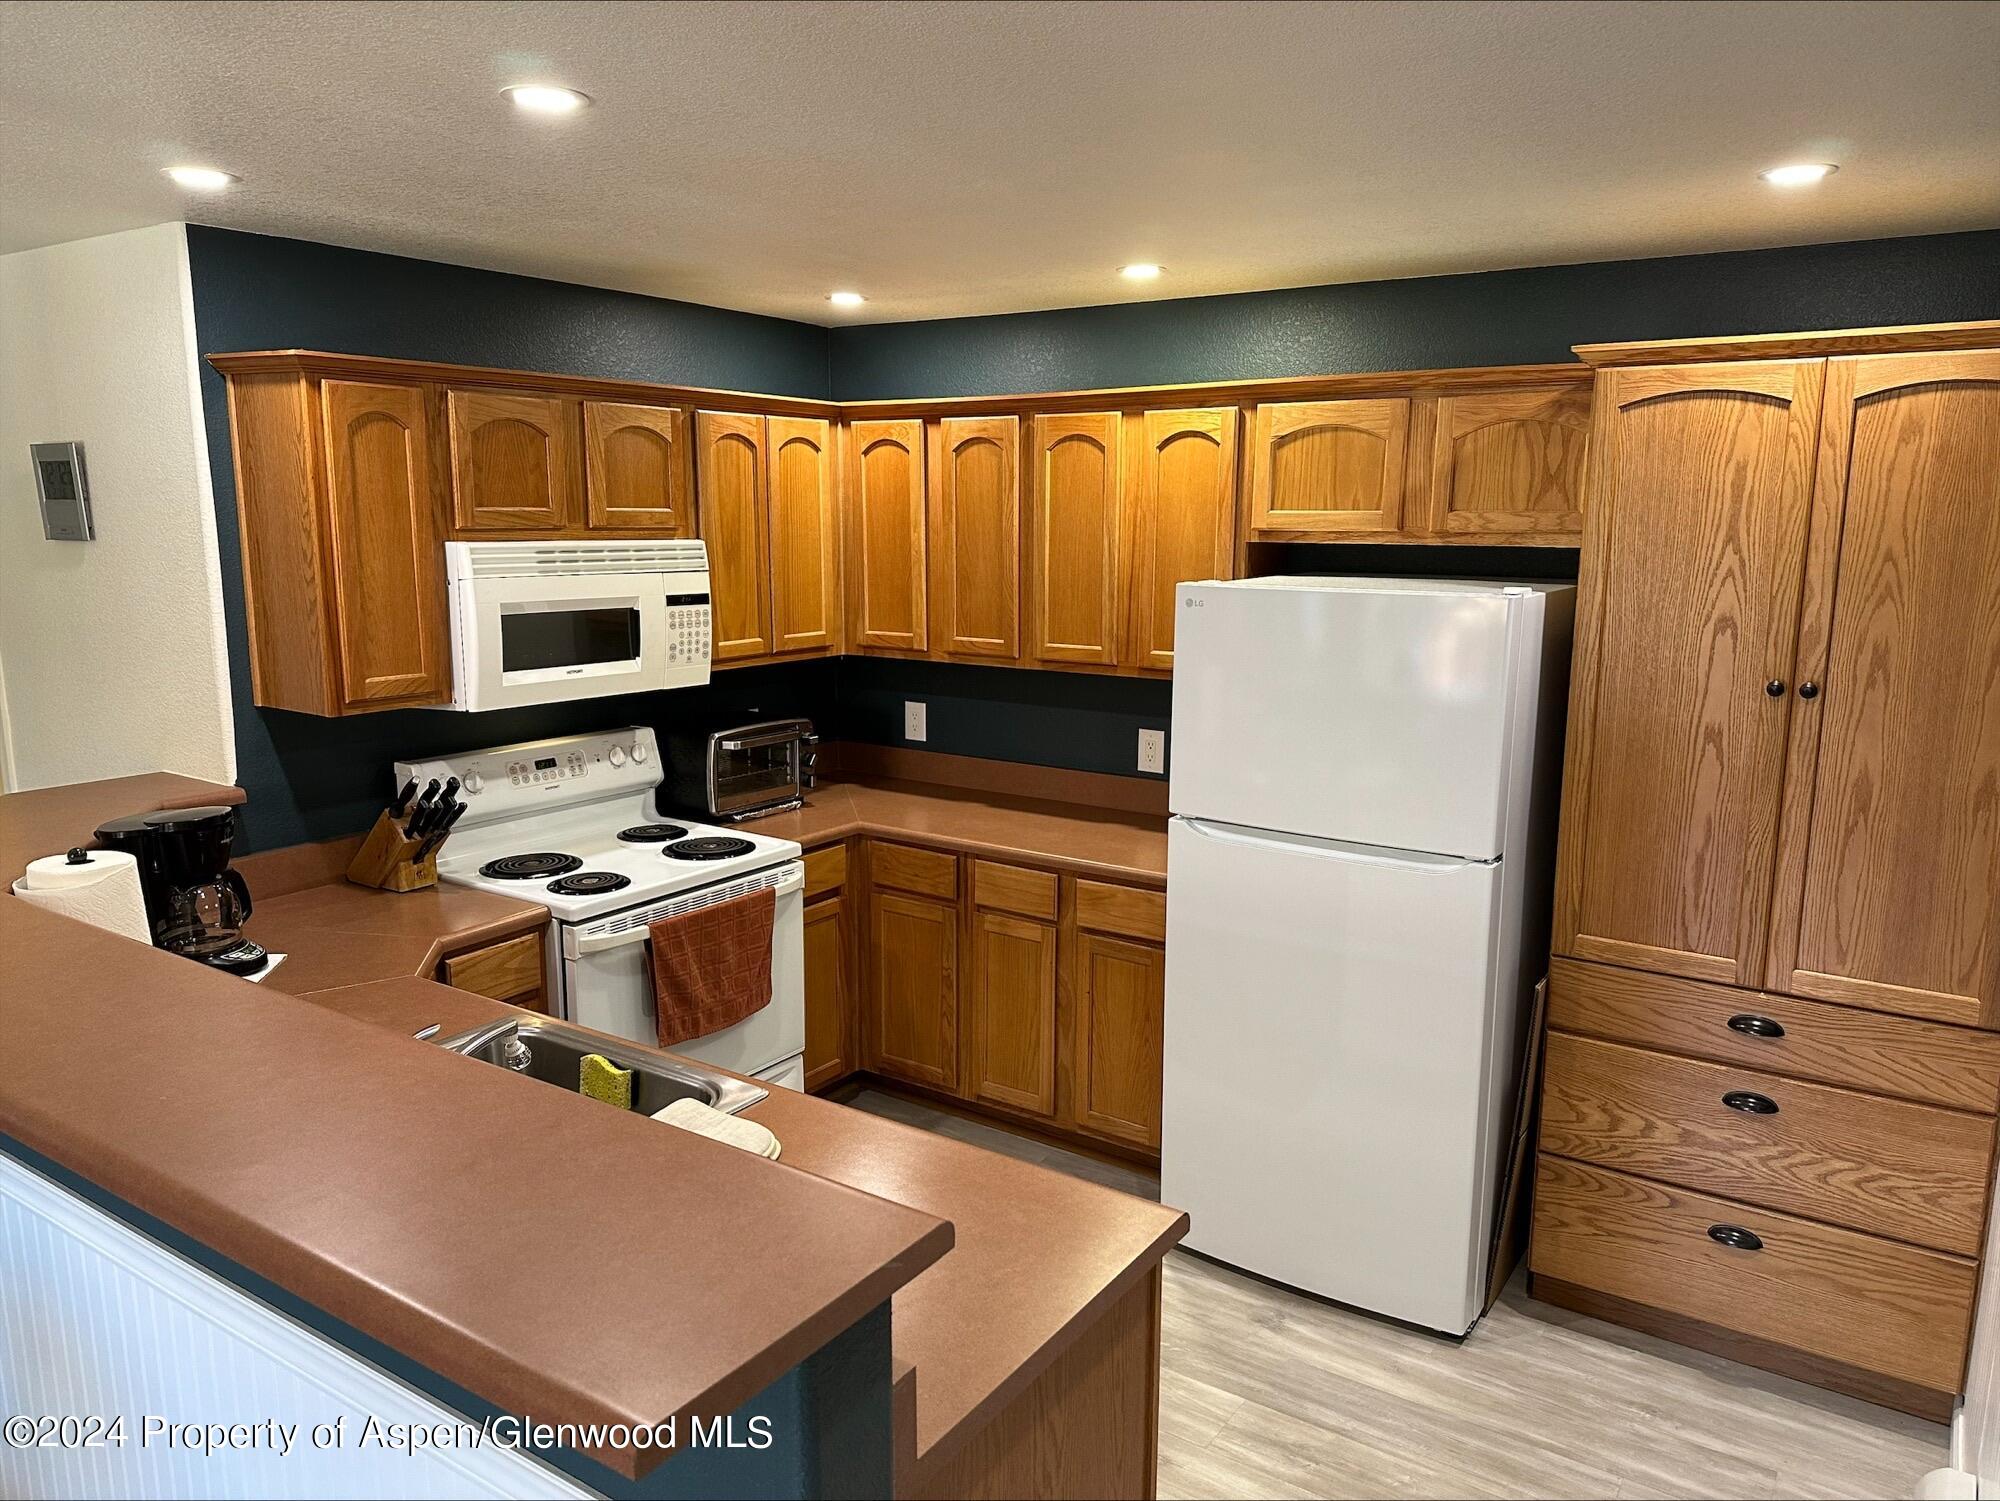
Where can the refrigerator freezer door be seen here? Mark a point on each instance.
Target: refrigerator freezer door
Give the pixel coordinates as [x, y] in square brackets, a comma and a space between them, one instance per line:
[1373, 711]
[1329, 1117]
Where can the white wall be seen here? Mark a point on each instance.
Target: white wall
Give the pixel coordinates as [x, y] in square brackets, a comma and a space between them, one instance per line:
[111, 652]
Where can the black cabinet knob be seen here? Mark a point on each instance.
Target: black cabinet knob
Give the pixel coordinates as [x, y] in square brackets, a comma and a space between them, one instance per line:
[1775, 688]
[1750, 1103]
[1736, 1237]
[1809, 689]
[1751, 1025]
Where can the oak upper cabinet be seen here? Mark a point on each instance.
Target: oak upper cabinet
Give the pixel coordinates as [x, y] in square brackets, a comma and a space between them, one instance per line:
[976, 537]
[1329, 466]
[1889, 877]
[1179, 523]
[1508, 465]
[635, 468]
[886, 540]
[828, 998]
[1694, 545]
[805, 535]
[513, 461]
[730, 467]
[383, 562]
[912, 1020]
[1072, 584]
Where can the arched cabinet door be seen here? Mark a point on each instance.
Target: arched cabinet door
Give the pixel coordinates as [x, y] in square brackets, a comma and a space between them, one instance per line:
[1888, 891]
[387, 569]
[730, 476]
[976, 533]
[1329, 466]
[1182, 521]
[1699, 489]
[1073, 547]
[513, 461]
[886, 546]
[805, 545]
[635, 468]
[1507, 464]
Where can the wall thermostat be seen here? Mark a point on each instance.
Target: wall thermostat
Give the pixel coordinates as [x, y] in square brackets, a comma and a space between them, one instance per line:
[65, 491]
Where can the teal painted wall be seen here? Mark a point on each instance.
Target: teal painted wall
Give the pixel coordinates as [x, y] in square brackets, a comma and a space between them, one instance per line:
[1434, 322]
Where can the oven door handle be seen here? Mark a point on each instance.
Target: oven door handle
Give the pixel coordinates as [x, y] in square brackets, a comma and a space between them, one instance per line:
[580, 941]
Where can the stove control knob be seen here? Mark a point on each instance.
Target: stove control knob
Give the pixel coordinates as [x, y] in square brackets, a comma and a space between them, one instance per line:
[616, 755]
[473, 782]
[639, 752]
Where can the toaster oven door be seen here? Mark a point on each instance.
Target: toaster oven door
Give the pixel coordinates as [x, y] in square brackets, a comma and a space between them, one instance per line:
[756, 768]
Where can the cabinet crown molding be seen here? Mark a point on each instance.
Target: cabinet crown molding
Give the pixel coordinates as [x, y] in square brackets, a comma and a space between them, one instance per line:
[1901, 339]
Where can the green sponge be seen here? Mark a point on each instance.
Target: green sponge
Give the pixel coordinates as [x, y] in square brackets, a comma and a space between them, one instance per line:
[600, 1079]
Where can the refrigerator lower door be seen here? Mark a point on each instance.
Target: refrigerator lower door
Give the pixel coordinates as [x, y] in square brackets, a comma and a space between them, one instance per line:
[1331, 1118]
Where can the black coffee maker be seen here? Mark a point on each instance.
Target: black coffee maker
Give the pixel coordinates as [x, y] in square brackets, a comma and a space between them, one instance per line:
[196, 904]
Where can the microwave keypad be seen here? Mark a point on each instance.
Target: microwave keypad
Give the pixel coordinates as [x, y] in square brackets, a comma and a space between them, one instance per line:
[687, 633]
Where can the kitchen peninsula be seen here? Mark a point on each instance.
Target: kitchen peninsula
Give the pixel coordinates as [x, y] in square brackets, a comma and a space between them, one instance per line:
[211, 1102]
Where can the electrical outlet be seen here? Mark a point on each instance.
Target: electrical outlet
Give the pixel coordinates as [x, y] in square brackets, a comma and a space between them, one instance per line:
[914, 727]
[1153, 751]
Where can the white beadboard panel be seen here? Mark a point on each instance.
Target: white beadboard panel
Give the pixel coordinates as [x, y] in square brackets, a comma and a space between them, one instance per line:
[98, 1319]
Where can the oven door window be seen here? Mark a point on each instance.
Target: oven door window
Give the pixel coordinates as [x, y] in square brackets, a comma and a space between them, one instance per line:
[554, 638]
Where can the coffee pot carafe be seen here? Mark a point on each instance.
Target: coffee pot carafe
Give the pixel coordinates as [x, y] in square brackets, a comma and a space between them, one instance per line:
[196, 904]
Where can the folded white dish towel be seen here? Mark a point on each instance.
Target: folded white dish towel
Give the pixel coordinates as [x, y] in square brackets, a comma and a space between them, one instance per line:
[706, 1120]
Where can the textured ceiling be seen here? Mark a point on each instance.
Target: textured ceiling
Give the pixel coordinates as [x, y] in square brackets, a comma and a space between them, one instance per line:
[967, 158]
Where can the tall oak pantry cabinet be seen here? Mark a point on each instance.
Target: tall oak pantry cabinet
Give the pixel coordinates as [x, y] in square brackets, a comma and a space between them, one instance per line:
[1768, 1112]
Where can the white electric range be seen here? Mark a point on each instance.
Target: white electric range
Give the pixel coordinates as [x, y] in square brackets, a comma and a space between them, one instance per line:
[571, 823]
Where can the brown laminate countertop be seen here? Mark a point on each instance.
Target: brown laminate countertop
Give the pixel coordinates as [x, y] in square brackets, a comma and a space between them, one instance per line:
[1129, 847]
[397, 1186]
[49, 820]
[342, 934]
[1036, 1256]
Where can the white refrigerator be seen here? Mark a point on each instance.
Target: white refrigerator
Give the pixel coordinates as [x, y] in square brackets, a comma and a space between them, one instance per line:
[1360, 866]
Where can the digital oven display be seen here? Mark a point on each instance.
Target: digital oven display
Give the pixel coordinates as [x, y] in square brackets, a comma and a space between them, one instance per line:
[545, 763]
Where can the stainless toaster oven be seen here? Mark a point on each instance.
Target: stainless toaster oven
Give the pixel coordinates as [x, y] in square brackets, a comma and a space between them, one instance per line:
[739, 770]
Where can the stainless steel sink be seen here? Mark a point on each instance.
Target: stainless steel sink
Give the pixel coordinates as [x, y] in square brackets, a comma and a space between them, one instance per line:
[553, 1052]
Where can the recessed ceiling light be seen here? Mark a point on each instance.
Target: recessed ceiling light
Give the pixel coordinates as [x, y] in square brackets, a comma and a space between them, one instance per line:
[845, 299]
[204, 179]
[1140, 271]
[1798, 174]
[546, 99]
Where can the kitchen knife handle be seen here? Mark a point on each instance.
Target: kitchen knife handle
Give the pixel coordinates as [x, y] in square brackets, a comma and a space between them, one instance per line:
[403, 798]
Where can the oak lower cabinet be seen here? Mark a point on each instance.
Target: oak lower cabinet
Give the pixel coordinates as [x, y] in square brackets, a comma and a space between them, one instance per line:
[1777, 928]
[1055, 1021]
[511, 970]
[829, 1003]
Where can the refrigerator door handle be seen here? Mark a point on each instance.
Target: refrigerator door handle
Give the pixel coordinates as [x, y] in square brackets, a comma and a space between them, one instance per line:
[1328, 849]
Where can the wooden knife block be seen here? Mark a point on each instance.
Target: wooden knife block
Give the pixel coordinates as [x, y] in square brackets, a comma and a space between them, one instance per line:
[385, 860]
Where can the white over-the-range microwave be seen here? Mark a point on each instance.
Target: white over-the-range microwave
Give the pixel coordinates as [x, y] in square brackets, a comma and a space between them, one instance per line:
[546, 622]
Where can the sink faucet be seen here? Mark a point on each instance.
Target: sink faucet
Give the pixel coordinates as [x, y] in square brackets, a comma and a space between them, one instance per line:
[504, 1030]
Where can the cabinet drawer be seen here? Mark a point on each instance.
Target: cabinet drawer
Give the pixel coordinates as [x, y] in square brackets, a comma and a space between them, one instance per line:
[1808, 1040]
[1009, 888]
[1886, 1166]
[500, 971]
[1122, 909]
[826, 870]
[927, 872]
[1887, 1308]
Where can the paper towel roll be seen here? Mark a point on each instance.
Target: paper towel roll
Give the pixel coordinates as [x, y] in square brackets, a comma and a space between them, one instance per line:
[102, 890]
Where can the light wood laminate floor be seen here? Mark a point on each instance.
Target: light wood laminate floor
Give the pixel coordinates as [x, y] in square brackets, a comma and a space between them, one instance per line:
[1268, 1393]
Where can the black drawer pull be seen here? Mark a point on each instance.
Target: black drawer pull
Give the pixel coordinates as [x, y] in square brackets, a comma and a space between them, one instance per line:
[1736, 1237]
[1751, 1025]
[1750, 1103]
